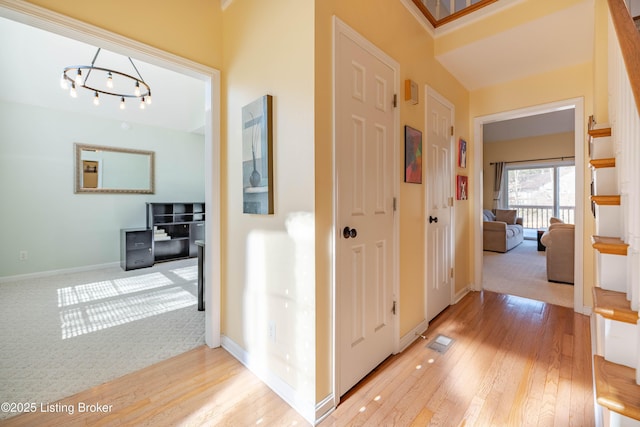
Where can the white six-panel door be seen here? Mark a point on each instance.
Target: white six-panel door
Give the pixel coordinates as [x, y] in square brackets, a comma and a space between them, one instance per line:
[365, 173]
[439, 158]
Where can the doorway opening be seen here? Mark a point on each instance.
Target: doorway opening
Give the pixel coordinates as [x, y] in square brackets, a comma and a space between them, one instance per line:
[484, 183]
[45, 20]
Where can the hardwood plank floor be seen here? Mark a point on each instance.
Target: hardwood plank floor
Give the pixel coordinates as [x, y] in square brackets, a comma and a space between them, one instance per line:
[514, 362]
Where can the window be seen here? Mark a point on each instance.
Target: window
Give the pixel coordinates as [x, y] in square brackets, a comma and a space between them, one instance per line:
[541, 192]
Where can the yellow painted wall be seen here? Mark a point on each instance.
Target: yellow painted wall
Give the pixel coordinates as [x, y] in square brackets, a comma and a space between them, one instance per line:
[536, 147]
[191, 29]
[268, 276]
[390, 26]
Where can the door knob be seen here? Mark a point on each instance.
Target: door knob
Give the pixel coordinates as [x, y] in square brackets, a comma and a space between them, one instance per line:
[349, 232]
[432, 219]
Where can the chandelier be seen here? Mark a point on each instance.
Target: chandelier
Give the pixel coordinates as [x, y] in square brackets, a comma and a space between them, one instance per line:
[77, 76]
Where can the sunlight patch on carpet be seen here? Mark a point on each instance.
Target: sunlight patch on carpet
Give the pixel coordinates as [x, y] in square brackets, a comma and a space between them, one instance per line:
[95, 317]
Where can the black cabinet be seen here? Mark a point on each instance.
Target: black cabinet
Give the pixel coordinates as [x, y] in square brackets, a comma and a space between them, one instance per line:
[136, 248]
[175, 228]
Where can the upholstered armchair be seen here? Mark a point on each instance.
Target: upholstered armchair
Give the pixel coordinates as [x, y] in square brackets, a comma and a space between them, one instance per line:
[502, 231]
[559, 243]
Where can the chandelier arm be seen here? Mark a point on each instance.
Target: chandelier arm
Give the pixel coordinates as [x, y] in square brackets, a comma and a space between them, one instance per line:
[92, 62]
[136, 68]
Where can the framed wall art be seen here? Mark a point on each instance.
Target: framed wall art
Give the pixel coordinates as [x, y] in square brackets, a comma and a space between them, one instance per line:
[257, 152]
[462, 153]
[412, 155]
[462, 187]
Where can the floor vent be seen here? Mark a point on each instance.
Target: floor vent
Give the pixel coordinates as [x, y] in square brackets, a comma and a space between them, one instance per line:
[441, 343]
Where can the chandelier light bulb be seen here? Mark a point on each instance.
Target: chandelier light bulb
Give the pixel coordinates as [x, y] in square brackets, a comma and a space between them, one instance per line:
[110, 81]
[63, 83]
[147, 99]
[96, 99]
[136, 91]
[79, 78]
[73, 92]
[142, 103]
[122, 103]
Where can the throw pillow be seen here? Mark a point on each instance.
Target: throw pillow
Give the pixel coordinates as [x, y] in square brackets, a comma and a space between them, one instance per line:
[506, 215]
[554, 220]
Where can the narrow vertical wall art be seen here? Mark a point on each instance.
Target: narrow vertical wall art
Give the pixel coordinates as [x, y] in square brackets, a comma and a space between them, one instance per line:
[257, 152]
[462, 153]
[412, 155]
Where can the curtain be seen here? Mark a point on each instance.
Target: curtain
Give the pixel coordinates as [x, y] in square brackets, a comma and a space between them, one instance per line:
[497, 184]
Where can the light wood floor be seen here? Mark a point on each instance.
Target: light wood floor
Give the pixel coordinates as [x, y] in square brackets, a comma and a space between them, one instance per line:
[514, 362]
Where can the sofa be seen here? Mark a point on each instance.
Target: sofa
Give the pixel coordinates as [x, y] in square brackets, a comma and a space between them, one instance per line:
[502, 231]
[559, 246]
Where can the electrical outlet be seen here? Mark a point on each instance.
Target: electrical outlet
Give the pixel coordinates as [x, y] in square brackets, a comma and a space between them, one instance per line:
[271, 332]
[23, 255]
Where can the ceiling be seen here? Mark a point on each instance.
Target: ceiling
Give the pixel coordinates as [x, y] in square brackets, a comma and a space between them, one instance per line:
[554, 41]
[537, 125]
[31, 64]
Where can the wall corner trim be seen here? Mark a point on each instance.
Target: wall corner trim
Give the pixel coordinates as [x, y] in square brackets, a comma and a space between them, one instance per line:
[275, 383]
[324, 408]
[462, 293]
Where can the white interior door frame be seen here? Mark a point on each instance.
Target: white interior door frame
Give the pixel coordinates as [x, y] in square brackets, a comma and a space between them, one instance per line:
[339, 27]
[431, 92]
[53, 22]
[579, 141]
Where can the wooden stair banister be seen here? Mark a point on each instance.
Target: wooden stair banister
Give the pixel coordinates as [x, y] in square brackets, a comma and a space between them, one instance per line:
[629, 40]
[454, 15]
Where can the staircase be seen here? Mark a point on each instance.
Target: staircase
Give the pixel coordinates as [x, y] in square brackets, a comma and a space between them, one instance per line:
[614, 152]
[616, 322]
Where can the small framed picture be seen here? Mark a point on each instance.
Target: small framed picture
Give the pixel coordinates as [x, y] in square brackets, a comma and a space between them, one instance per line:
[462, 153]
[412, 155]
[462, 187]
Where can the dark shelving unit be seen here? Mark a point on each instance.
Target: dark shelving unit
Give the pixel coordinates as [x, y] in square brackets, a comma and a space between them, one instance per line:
[175, 227]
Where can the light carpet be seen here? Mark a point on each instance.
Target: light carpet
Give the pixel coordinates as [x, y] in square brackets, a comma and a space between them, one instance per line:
[67, 333]
[522, 271]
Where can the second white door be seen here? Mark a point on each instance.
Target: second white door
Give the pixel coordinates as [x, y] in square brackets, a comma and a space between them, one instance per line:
[439, 158]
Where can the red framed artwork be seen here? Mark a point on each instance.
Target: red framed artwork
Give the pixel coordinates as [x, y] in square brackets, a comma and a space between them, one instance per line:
[462, 187]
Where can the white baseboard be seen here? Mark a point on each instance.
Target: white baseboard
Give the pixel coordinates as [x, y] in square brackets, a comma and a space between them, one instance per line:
[308, 410]
[409, 338]
[462, 293]
[324, 408]
[40, 274]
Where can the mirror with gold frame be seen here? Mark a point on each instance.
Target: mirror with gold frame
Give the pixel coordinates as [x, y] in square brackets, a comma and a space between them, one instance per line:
[101, 169]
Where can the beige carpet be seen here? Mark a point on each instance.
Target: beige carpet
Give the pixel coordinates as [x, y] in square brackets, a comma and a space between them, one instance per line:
[522, 272]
